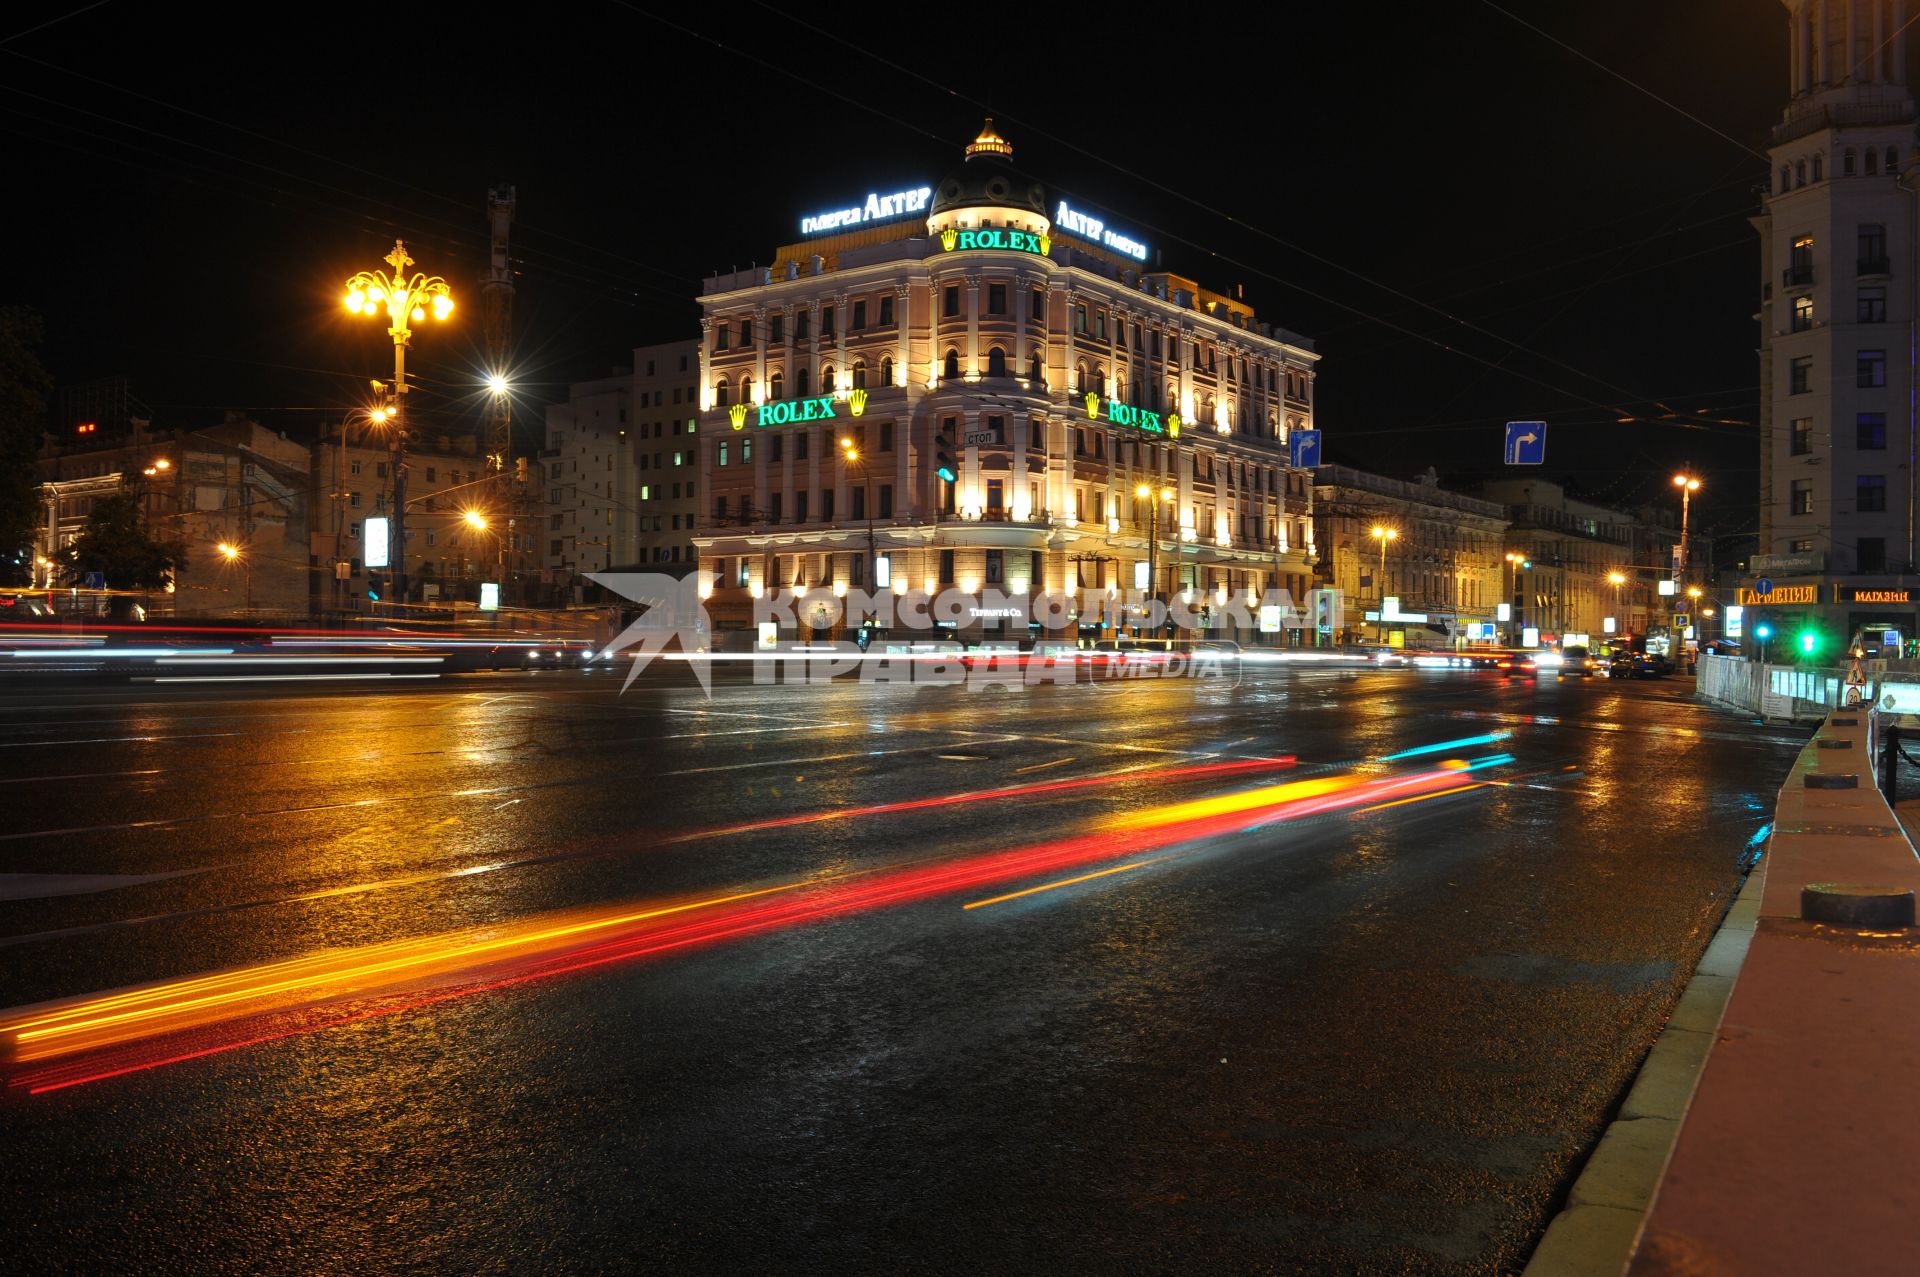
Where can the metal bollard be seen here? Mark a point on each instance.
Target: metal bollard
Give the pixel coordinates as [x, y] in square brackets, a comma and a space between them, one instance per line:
[1890, 763]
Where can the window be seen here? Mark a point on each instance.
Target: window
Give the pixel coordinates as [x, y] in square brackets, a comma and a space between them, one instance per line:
[776, 386]
[722, 395]
[776, 333]
[800, 445]
[1800, 500]
[826, 322]
[1100, 324]
[1870, 493]
[1870, 554]
[1802, 313]
[826, 505]
[996, 362]
[1869, 369]
[720, 334]
[859, 317]
[353, 529]
[1872, 255]
[723, 452]
[743, 573]
[1816, 168]
[1873, 161]
[353, 467]
[886, 436]
[950, 301]
[803, 381]
[952, 368]
[1801, 436]
[859, 374]
[996, 495]
[1802, 546]
[1080, 319]
[1871, 306]
[802, 322]
[1893, 159]
[1870, 431]
[1847, 163]
[996, 299]
[1038, 305]
[1800, 375]
[1786, 178]
[719, 509]
[799, 507]
[859, 502]
[886, 501]
[746, 333]
[1033, 368]
[827, 380]
[353, 500]
[746, 449]
[1800, 173]
[946, 567]
[432, 477]
[886, 310]
[1800, 261]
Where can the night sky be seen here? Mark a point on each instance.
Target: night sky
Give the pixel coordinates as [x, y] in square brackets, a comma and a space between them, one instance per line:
[1472, 223]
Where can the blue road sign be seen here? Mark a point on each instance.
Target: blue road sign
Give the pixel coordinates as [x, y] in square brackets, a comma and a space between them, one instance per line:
[1303, 447]
[94, 581]
[1763, 587]
[1526, 443]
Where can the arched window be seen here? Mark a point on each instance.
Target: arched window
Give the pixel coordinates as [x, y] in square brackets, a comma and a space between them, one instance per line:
[1893, 159]
[1847, 162]
[1273, 425]
[952, 369]
[826, 380]
[1034, 371]
[996, 362]
[746, 390]
[1786, 175]
[1873, 162]
[886, 370]
[1080, 378]
[859, 374]
[1100, 379]
[722, 395]
[1816, 168]
[1800, 173]
[776, 386]
[1172, 402]
[803, 380]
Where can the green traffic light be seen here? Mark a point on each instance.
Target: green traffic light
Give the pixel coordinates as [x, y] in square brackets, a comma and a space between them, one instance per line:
[1809, 641]
[1764, 631]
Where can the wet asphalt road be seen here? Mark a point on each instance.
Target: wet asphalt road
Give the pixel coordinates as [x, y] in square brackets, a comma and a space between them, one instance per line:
[1353, 1042]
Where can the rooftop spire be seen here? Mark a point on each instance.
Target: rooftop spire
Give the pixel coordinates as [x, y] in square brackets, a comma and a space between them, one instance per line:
[989, 143]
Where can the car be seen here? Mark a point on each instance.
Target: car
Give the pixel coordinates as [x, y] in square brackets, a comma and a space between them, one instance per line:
[1529, 664]
[1578, 662]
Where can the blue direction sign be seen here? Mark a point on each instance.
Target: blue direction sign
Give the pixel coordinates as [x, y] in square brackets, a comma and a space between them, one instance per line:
[1526, 443]
[1303, 447]
[1763, 587]
[94, 581]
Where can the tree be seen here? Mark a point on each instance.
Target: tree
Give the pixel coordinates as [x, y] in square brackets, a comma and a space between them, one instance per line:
[116, 544]
[24, 383]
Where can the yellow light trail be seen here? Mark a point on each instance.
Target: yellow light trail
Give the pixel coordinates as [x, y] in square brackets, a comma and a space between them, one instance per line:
[1227, 804]
[1065, 882]
[1420, 798]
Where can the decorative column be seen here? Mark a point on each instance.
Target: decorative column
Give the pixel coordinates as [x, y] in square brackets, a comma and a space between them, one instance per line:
[902, 356]
[973, 325]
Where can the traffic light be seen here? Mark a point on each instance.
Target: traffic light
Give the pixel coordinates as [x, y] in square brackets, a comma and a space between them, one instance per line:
[943, 454]
[1763, 631]
[1809, 642]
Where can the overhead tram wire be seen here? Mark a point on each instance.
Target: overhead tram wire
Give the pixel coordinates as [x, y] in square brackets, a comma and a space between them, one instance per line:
[1175, 193]
[50, 22]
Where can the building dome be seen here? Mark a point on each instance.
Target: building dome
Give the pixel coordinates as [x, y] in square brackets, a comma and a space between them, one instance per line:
[988, 180]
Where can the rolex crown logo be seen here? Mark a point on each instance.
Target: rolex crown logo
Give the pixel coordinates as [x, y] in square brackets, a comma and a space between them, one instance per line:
[857, 401]
[948, 238]
[1046, 245]
[1093, 407]
[1173, 425]
[737, 415]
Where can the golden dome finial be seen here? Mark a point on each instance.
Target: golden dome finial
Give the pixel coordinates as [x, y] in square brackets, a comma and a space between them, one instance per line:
[989, 142]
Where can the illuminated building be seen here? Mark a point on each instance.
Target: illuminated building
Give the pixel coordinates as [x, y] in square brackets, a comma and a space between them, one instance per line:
[621, 469]
[1025, 340]
[1837, 277]
[1574, 548]
[1444, 564]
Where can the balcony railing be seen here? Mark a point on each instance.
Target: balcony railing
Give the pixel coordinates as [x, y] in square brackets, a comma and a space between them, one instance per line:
[1880, 265]
[1799, 276]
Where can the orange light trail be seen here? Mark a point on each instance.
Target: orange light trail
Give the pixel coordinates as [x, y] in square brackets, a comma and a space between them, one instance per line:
[89, 1038]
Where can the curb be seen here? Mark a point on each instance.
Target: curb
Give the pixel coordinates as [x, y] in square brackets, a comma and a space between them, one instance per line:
[1594, 1234]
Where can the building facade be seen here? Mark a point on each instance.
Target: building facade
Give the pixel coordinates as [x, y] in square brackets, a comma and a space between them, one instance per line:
[1837, 260]
[621, 470]
[971, 389]
[1437, 555]
[1584, 570]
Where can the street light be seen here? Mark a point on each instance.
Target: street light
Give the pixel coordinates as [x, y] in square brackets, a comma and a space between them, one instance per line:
[1383, 534]
[475, 519]
[851, 454]
[1153, 497]
[1688, 485]
[235, 554]
[406, 300]
[1520, 562]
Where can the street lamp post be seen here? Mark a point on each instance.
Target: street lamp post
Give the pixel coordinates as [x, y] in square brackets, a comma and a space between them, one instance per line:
[1688, 485]
[853, 458]
[1383, 534]
[1616, 580]
[237, 554]
[1520, 563]
[406, 300]
[1153, 497]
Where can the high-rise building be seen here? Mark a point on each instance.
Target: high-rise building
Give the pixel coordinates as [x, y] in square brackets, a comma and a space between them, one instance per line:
[1009, 376]
[1838, 542]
